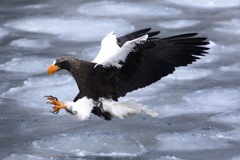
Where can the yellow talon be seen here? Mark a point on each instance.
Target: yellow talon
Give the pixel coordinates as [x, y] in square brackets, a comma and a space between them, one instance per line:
[57, 104]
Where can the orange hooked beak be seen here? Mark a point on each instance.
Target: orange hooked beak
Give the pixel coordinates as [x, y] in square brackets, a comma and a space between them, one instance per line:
[52, 69]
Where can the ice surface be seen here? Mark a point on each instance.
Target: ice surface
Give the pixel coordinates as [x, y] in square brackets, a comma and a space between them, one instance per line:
[212, 100]
[83, 144]
[177, 24]
[229, 26]
[90, 53]
[36, 6]
[231, 68]
[190, 141]
[30, 43]
[187, 73]
[24, 157]
[215, 99]
[208, 88]
[3, 32]
[32, 92]
[29, 64]
[146, 93]
[77, 29]
[235, 158]
[207, 4]
[106, 8]
[232, 135]
[230, 118]
[168, 158]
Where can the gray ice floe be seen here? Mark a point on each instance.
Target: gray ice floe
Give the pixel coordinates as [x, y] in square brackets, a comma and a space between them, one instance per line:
[207, 4]
[189, 141]
[215, 100]
[178, 24]
[90, 53]
[30, 43]
[24, 157]
[84, 144]
[106, 8]
[168, 158]
[26, 64]
[183, 73]
[228, 26]
[231, 118]
[33, 90]
[3, 32]
[76, 29]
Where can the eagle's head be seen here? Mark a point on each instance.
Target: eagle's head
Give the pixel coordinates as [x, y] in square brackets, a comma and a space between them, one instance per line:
[63, 62]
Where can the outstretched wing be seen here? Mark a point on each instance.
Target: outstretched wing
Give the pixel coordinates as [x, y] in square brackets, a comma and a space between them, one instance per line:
[147, 61]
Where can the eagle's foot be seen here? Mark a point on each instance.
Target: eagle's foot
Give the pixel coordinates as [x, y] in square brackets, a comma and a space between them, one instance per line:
[57, 104]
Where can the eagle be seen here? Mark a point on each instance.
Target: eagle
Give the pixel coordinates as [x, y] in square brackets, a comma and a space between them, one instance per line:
[124, 64]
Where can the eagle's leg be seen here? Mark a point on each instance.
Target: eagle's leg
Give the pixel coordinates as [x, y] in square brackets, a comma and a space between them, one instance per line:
[57, 104]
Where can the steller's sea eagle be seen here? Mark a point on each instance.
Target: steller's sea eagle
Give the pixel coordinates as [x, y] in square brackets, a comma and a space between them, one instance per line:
[124, 64]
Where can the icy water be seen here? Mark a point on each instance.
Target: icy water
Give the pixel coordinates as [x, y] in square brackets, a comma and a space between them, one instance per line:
[198, 105]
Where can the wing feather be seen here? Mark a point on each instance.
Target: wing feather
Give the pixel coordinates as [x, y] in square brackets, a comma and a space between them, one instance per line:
[148, 62]
[131, 36]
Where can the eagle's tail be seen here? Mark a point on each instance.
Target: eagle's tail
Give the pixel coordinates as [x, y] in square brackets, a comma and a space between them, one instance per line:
[125, 109]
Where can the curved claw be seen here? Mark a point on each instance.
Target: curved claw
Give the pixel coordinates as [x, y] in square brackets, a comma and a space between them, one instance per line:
[57, 104]
[54, 112]
[51, 97]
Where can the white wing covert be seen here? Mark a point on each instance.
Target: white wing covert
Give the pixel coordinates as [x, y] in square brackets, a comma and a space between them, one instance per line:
[122, 53]
[109, 47]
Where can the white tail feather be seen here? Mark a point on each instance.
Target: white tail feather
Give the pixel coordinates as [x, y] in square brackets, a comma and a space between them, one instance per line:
[126, 108]
[81, 109]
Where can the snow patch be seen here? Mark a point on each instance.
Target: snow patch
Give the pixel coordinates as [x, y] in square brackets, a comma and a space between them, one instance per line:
[106, 8]
[177, 24]
[76, 29]
[207, 4]
[30, 43]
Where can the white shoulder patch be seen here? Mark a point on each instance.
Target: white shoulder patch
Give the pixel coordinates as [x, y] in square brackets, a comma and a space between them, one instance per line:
[121, 55]
[109, 47]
